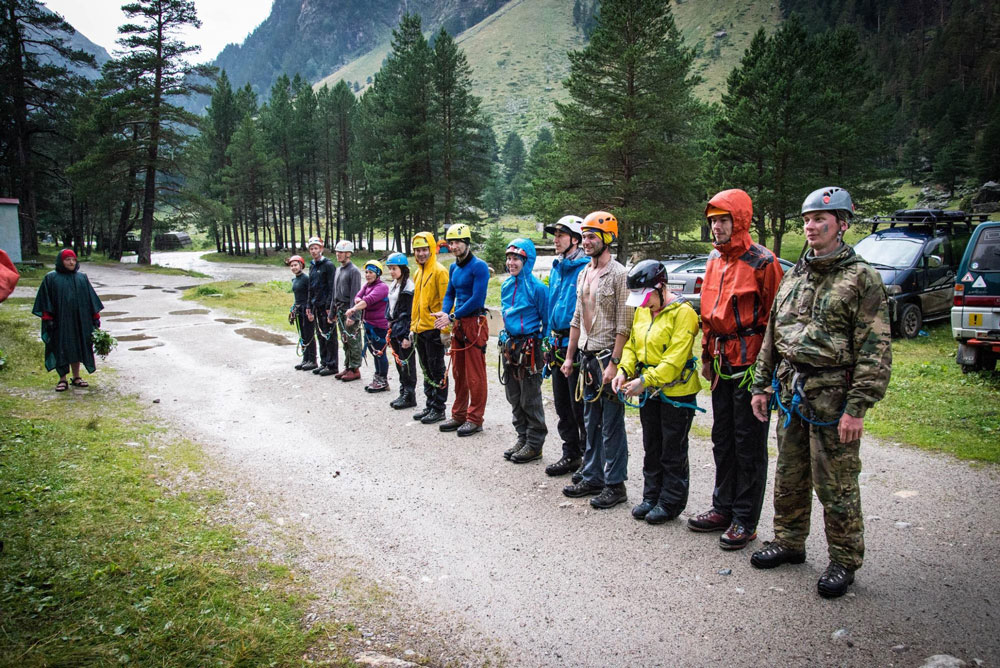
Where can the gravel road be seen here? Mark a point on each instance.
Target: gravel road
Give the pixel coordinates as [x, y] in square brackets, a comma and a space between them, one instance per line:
[496, 550]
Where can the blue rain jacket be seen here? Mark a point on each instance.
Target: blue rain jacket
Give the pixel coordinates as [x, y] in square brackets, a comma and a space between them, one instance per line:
[562, 288]
[524, 298]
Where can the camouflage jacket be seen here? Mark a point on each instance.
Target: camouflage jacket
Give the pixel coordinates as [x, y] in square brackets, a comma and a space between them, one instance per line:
[830, 313]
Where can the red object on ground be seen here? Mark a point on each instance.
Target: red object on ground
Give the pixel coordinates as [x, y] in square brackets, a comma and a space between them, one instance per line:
[8, 276]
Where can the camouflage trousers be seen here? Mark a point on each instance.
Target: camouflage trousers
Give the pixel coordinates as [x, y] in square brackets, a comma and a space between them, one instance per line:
[812, 457]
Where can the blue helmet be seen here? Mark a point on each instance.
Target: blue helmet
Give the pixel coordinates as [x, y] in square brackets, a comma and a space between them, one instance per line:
[398, 259]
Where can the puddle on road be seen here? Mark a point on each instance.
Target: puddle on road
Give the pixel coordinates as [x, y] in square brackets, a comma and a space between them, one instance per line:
[135, 337]
[190, 311]
[112, 314]
[229, 321]
[150, 347]
[255, 334]
[187, 287]
[151, 287]
[111, 298]
[169, 290]
[136, 318]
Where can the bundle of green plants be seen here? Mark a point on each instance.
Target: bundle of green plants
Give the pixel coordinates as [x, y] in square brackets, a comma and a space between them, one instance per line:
[104, 343]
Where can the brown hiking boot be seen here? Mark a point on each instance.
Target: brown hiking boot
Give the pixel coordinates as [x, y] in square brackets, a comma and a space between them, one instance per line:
[736, 537]
[711, 520]
[351, 374]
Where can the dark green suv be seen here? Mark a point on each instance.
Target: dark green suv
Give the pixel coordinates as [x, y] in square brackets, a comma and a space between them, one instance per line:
[975, 314]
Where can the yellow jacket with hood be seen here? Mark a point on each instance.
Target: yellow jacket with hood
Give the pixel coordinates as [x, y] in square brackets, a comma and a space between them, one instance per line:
[663, 345]
[430, 282]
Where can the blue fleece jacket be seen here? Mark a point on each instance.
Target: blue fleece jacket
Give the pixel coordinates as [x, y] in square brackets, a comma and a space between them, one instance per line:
[562, 288]
[524, 298]
[467, 283]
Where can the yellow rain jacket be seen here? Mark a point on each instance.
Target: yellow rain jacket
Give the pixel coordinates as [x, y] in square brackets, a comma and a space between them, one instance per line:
[430, 282]
[663, 347]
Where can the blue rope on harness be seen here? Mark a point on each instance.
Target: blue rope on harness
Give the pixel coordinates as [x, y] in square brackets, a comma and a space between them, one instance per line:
[795, 406]
[645, 396]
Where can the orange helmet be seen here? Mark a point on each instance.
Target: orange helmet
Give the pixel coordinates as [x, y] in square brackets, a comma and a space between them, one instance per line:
[602, 222]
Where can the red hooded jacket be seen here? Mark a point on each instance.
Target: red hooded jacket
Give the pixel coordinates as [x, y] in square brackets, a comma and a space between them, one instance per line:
[8, 276]
[741, 280]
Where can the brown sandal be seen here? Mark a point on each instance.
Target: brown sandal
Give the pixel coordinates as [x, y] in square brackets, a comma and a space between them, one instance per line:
[79, 382]
[62, 386]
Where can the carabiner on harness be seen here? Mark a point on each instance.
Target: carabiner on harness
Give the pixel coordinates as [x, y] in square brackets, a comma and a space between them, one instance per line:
[798, 400]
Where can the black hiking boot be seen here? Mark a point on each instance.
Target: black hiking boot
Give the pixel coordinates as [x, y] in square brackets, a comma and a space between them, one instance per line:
[640, 511]
[431, 417]
[834, 581]
[660, 514]
[468, 429]
[775, 554]
[582, 489]
[563, 466]
[450, 425]
[610, 497]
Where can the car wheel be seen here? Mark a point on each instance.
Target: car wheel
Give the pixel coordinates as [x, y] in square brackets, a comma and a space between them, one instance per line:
[910, 321]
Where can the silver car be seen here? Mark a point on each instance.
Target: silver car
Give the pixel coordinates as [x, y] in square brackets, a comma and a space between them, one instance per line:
[688, 278]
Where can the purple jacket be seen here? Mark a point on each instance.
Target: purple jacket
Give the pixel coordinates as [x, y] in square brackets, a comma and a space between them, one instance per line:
[376, 295]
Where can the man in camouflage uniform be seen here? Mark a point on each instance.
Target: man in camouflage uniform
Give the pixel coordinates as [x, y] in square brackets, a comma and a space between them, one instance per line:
[828, 343]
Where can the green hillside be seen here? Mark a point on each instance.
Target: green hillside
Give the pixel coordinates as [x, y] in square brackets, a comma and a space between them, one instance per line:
[518, 54]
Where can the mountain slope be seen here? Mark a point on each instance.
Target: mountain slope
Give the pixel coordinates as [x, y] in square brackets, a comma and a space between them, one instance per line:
[314, 37]
[78, 41]
[518, 54]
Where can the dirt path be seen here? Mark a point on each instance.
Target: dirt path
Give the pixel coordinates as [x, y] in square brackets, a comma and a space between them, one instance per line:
[502, 559]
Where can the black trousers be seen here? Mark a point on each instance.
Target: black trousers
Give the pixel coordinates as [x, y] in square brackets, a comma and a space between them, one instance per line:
[406, 366]
[307, 333]
[665, 471]
[430, 352]
[739, 445]
[570, 424]
[326, 338]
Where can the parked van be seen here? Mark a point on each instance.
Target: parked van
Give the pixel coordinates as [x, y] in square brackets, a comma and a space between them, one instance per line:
[917, 252]
[975, 313]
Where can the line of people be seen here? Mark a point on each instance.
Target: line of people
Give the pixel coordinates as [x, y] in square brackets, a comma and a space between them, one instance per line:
[815, 344]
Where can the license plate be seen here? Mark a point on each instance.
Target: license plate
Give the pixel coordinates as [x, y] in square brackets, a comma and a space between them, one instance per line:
[975, 320]
[675, 287]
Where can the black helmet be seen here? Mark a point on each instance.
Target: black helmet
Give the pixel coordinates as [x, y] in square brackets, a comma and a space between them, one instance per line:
[646, 274]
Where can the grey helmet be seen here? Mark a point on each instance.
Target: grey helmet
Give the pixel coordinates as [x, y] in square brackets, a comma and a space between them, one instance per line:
[830, 198]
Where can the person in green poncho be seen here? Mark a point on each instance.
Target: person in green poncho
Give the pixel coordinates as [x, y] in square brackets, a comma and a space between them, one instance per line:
[70, 311]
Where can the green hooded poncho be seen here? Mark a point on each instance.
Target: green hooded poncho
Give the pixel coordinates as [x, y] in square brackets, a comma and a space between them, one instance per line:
[66, 298]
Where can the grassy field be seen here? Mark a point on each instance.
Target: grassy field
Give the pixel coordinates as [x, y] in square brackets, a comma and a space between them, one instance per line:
[932, 405]
[518, 54]
[107, 557]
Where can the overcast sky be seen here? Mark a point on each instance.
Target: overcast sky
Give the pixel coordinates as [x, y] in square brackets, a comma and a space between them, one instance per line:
[222, 22]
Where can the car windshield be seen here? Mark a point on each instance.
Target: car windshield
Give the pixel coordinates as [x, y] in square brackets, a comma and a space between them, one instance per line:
[893, 252]
[986, 254]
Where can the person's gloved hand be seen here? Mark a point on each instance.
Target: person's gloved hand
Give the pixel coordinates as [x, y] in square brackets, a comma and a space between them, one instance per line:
[97, 323]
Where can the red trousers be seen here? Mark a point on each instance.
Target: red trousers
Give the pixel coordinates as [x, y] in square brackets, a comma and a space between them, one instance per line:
[468, 366]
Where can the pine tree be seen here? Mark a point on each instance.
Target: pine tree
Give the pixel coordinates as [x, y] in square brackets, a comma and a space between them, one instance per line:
[32, 87]
[627, 131]
[155, 60]
[460, 158]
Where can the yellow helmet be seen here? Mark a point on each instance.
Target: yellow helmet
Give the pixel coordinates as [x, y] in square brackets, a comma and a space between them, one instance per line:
[376, 266]
[459, 232]
[420, 241]
[602, 222]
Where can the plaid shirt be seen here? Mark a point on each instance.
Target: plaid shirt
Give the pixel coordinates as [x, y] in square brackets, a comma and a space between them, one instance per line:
[611, 315]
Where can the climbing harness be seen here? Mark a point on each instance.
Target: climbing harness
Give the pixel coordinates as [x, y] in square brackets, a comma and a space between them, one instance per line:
[799, 400]
[690, 368]
[590, 382]
[295, 315]
[518, 354]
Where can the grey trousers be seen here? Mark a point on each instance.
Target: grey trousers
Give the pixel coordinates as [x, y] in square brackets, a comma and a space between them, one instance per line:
[525, 397]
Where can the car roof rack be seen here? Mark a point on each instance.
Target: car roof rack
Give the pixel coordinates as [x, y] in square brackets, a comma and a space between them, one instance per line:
[932, 218]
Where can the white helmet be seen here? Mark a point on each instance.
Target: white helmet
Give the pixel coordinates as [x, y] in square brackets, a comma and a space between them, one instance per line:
[569, 224]
[314, 241]
[344, 246]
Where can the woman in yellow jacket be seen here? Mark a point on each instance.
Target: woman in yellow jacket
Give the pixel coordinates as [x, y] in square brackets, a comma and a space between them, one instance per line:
[658, 369]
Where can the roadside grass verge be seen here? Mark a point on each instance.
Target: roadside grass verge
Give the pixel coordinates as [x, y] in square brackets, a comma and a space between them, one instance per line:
[158, 269]
[106, 560]
[932, 405]
[265, 303]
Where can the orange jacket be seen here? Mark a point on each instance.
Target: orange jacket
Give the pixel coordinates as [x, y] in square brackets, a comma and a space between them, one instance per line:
[741, 280]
